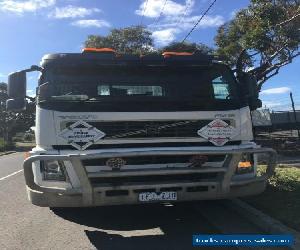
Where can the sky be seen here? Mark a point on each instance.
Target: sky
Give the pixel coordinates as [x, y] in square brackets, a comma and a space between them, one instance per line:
[30, 29]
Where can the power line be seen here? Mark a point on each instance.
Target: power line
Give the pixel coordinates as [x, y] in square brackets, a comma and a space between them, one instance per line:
[199, 20]
[180, 17]
[144, 11]
[161, 12]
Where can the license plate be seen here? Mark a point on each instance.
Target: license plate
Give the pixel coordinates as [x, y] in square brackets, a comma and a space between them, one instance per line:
[163, 196]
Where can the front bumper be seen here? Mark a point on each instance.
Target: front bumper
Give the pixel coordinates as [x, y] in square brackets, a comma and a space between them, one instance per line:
[89, 195]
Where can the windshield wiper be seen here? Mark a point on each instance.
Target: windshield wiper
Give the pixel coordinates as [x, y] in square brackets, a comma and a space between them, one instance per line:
[69, 97]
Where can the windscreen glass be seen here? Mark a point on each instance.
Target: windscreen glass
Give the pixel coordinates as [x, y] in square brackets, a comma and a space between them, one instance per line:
[191, 87]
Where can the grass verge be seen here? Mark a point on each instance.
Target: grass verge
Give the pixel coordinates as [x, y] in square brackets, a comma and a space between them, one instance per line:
[281, 200]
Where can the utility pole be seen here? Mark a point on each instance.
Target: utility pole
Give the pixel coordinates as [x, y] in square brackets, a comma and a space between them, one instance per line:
[295, 114]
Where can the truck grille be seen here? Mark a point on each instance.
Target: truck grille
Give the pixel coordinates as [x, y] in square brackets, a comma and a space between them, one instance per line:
[149, 129]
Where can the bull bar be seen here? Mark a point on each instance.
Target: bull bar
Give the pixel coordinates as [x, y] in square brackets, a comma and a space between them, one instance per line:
[87, 195]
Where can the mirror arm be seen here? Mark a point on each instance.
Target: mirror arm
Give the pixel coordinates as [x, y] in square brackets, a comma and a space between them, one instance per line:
[33, 68]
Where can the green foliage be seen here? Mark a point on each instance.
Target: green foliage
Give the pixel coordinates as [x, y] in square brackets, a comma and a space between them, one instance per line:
[138, 40]
[13, 122]
[3, 92]
[281, 199]
[188, 47]
[133, 40]
[268, 30]
[286, 179]
[28, 137]
[4, 146]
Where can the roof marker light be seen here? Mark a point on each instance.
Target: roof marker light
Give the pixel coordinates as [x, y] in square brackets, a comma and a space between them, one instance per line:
[171, 53]
[98, 50]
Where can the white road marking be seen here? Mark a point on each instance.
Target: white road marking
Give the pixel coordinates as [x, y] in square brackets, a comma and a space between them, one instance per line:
[14, 173]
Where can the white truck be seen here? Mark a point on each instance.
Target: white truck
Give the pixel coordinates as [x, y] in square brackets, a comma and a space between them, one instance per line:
[123, 129]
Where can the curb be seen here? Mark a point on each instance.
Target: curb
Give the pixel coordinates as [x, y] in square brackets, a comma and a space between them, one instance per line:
[7, 153]
[265, 222]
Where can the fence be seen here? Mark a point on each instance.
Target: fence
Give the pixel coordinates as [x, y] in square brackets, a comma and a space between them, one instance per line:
[276, 119]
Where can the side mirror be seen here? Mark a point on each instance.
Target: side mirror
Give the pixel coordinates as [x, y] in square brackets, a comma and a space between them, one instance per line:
[15, 104]
[16, 91]
[17, 85]
[248, 85]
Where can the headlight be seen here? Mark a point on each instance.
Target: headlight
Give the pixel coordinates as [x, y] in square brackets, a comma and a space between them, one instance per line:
[246, 164]
[53, 171]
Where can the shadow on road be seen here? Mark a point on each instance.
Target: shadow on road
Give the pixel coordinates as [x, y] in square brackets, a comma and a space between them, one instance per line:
[140, 227]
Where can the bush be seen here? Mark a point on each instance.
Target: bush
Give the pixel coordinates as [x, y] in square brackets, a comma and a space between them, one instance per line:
[16, 139]
[2, 144]
[28, 137]
[6, 146]
[281, 199]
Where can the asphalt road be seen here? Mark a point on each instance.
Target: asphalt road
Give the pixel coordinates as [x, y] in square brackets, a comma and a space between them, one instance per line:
[25, 226]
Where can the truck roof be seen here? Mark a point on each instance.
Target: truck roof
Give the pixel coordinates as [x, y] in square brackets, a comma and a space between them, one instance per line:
[97, 59]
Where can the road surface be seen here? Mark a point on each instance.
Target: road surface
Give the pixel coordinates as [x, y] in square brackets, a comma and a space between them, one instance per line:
[25, 226]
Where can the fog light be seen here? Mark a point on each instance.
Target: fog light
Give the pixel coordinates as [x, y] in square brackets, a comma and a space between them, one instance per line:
[246, 165]
[53, 171]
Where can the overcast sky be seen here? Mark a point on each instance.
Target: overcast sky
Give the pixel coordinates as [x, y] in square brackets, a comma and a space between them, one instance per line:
[29, 29]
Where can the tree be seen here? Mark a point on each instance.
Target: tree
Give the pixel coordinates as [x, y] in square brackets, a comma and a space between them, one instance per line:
[14, 122]
[133, 40]
[3, 114]
[188, 47]
[267, 32]
[138, 40]
[3, 92]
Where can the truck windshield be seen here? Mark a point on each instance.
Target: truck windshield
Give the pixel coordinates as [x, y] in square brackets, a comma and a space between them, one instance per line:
[187, 88]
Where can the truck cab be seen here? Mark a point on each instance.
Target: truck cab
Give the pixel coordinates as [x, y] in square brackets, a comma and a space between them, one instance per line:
[125, 129]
